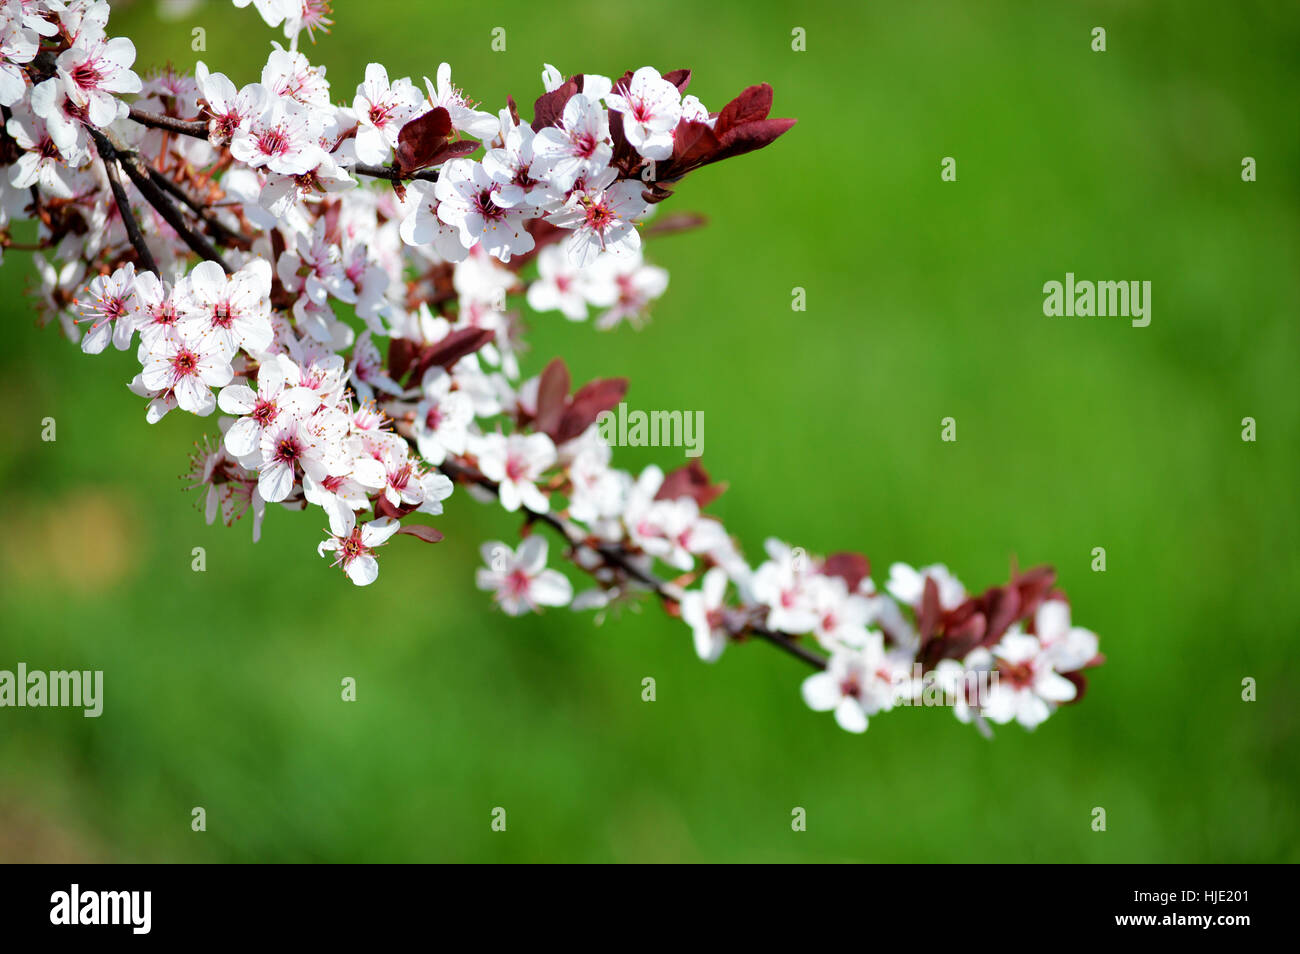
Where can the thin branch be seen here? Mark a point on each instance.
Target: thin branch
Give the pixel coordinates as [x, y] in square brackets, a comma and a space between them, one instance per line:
[392, 174]
[196, 128]
[154, 196]
[618, 557]
[164, 207]
[200, 210]
[108, 156]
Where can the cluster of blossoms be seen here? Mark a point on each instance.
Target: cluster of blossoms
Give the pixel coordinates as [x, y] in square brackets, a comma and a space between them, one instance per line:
[256, 245]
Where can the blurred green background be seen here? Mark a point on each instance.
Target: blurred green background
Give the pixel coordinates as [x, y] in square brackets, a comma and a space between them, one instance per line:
[924, 301]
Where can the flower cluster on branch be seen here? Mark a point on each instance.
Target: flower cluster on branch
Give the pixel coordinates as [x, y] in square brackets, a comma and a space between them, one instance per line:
[342, 282]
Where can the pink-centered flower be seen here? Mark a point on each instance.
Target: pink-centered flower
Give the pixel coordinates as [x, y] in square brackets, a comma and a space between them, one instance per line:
[188, 366]
[291, 447]
[516, 463]
[96, 68]
[651, 108]
[260, 409]
[579, 148]
[382, 109]
[1028, 688]
[603, 216]
[110, 307]
[702, 610]
[284, 138]
[519, 579]
[467, 200]
[354, 551]
[236, 310]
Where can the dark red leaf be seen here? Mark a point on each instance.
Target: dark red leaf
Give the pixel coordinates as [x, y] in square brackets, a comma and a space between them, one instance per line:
[421, 531]
[552, 398]
[549, 107]
[679, 78]
[419, 141]
[961, 639]
[690, 480]
[402, 353]
[453, 150]
[451, 349]
[750, 136]
[588, 404]
[852, 568]
[753, 104]
[927, 617]
[385, 508]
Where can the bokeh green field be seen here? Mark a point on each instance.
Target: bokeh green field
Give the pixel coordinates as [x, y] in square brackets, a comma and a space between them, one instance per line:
[924, 301]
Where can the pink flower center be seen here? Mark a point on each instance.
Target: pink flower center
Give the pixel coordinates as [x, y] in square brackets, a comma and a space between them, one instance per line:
[400, 478]
[264, 413]
[288, 449]
[584, 144]
[87, 75]
[517, 583]
[600, 216]
[352, 547]
[273, 142]
[184, 364]
[487, 208]
[1020, 675]
[851, 686]
[516, 469]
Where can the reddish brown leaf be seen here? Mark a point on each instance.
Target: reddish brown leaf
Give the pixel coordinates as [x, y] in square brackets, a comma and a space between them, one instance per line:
[690, 480]
[852, 568]
[402, 353]
[587, 405]
[421, 531]
[753, 104]
[420, 139]
[552, 398]
[453, 150]
[451, 349]
[679, 78]
[549, 107]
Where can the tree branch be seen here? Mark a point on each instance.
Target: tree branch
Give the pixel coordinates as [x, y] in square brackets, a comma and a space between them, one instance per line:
[392, 174]
[196, 128]
[616, 556]
[613, 555]
[154, 196]
[229, 236]
[108, 156]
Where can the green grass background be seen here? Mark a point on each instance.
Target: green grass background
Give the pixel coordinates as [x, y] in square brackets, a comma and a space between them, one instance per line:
[924, 301]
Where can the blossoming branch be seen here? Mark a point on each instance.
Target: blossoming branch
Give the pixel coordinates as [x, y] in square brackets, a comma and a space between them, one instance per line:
[341, 283]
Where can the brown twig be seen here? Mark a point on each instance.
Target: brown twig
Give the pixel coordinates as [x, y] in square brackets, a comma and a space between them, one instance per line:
[195, 128]
[616, 556]
[167, 185]
[393, 174]
[172, 216]
[108, 156]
